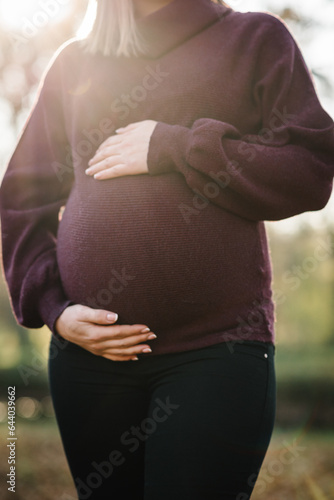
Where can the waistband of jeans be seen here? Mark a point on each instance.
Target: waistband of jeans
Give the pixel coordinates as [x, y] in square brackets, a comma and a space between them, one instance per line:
[268, 345]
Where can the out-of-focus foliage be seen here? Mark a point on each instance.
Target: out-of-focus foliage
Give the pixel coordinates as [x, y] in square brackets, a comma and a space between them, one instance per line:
[303, 283]
[25, 52]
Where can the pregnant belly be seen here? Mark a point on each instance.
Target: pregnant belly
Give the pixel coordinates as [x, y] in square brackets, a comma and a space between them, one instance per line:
[145, 247]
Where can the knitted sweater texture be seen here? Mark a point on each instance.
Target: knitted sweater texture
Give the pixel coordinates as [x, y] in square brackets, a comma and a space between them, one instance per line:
[241, 138]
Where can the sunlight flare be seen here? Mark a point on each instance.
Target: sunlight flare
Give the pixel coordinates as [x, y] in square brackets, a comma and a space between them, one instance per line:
[18, 14]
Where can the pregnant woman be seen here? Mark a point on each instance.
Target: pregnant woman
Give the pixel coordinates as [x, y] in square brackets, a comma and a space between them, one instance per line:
[169, 135]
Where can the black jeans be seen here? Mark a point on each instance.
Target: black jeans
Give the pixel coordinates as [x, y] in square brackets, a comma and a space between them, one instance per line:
[193, 425]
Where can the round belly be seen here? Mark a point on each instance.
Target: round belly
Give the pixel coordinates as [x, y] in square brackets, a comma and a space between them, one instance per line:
[150, 250]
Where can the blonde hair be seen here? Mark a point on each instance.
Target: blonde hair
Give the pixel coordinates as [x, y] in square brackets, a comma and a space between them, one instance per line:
[114, 31]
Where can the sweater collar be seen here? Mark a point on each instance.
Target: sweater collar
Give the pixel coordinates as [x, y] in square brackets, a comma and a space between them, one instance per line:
[175, 23]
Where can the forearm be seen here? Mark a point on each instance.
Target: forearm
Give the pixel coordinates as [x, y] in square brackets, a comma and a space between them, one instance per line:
[252, 179]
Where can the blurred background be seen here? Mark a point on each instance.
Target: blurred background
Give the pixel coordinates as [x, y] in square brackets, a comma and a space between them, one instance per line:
[302, 251]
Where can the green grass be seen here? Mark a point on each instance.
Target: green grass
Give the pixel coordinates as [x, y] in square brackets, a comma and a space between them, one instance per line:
[309, 363]
[309, 476]
[43, 473]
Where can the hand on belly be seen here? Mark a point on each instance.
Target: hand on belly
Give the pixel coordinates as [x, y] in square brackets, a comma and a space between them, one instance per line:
[124, 153]
[94, 330]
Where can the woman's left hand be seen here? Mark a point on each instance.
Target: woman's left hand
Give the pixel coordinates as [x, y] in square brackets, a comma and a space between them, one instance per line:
[124, 153]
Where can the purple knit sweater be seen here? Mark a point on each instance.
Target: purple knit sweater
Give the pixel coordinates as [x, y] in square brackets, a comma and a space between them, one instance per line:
[241, 138]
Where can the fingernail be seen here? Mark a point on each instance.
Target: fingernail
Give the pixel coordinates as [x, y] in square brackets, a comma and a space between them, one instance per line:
[152, 336]
[147, 349]
[119, 130]
[87, 171]
[97, 176]
[134, 359]
[112, 317]
[145, 330]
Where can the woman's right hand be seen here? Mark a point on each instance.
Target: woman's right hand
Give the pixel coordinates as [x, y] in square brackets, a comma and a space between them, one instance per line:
[93, 330]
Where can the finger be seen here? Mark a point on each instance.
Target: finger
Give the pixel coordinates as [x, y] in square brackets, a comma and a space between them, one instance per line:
[105, 164]
[101, 333]
[131, 351]
[119, 359]
[111, 140]
[97, 316]
[111, 356]
[117, 171]
[134, 350]
[129, 127]
[110, 151]
[121, 344]
[102, 317]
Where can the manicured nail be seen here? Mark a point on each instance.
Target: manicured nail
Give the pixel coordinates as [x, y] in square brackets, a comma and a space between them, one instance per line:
[147, 349]
[112, 317]
[152, 336]
[145, 330]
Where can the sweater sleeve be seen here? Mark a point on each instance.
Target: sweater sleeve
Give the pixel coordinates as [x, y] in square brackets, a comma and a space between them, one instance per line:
[285, 168]
[34, 188]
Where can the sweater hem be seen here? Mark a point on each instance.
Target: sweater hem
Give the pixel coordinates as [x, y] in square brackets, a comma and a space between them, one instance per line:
[230, 337]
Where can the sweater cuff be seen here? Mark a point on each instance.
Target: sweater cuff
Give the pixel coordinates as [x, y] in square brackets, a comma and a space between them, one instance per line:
[51, 306]
[167, 143]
